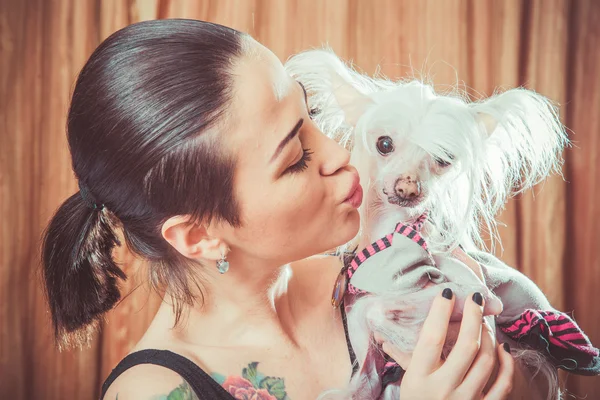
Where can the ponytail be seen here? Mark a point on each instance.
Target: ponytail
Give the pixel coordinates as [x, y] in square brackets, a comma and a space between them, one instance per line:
[79, 273]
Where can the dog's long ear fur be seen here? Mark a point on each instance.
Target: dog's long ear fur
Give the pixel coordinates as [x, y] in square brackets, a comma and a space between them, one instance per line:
[525, 144]
[338, 95]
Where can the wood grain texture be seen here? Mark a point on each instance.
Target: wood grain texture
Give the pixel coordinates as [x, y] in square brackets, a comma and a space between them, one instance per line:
[581, 264]
[551, 233]
[44, 44]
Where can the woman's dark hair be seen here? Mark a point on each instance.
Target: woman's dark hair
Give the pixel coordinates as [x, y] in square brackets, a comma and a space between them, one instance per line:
[140, 132]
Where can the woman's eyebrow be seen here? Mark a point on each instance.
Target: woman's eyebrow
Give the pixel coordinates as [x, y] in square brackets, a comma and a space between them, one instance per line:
[287, 139]
[304, 90]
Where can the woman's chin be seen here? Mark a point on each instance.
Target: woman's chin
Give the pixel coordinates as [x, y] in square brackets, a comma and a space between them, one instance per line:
[343, 233]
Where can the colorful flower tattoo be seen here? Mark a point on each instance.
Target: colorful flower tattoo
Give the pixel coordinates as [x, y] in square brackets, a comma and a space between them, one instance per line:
[253, 385]
[181, 392]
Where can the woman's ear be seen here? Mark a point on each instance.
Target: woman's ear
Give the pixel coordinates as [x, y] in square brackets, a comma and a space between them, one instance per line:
[191, 239]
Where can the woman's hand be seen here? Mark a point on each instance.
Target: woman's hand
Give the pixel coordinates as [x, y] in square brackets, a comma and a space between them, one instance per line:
[466, 370]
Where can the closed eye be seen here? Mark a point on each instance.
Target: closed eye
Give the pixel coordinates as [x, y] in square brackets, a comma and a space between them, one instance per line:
[445, 163]
[302, 164]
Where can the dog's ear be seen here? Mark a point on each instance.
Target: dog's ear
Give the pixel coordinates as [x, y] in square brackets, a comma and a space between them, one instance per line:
[488, 122]
[335, 90]
[527, 133]
[351, 101]
[523, 147]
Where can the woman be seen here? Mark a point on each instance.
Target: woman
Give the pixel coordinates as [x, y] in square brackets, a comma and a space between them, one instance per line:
[192, 139]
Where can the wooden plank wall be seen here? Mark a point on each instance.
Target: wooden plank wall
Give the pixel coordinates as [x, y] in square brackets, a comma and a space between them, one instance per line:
[552, 46]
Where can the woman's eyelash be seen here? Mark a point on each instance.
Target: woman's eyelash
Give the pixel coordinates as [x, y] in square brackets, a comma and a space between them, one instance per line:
[302, 164]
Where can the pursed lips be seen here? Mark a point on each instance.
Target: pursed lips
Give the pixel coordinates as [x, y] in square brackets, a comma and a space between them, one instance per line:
[354, 194]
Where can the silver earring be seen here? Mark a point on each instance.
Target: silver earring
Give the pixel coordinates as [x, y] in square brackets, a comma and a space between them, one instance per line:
[223, 264]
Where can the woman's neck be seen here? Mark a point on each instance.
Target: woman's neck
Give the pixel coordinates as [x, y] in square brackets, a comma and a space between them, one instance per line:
[242, 307]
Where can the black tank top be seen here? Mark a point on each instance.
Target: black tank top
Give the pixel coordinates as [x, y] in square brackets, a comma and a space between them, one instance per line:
[205, 387]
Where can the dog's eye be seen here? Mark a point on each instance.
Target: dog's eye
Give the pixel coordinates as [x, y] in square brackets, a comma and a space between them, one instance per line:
[444, 163]
[385, 145]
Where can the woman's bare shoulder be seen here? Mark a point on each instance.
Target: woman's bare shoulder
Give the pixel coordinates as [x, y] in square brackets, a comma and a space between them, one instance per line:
[149, 382]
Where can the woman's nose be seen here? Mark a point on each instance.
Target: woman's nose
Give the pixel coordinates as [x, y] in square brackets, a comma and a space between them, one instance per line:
[334, 157]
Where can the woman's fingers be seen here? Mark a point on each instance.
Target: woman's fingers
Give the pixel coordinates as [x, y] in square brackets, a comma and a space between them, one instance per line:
[469, 338]
[504, 381]
[403, 359]
[483, 365]
[431, 340]
[467, 369]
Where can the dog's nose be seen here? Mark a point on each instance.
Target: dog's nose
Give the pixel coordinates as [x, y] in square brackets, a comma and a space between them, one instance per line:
[407, 188]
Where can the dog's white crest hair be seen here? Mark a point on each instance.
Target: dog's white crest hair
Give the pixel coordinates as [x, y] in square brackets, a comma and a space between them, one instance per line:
[498, 146]
[503, 144]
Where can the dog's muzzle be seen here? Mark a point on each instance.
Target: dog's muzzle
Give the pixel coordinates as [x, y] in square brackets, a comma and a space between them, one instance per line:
[406, 192]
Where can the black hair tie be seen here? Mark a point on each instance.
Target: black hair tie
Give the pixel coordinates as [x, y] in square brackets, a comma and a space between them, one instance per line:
[88, 198]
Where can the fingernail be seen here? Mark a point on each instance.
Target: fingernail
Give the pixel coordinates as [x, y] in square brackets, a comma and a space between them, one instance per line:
[478, 298]
[506, 347]
[447, 293]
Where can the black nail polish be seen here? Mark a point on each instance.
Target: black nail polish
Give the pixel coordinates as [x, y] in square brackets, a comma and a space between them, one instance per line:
[478, 298]
[447, 293]
[506, 347]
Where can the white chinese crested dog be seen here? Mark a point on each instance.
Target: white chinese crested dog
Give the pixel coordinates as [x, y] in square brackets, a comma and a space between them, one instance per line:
[437, 168]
